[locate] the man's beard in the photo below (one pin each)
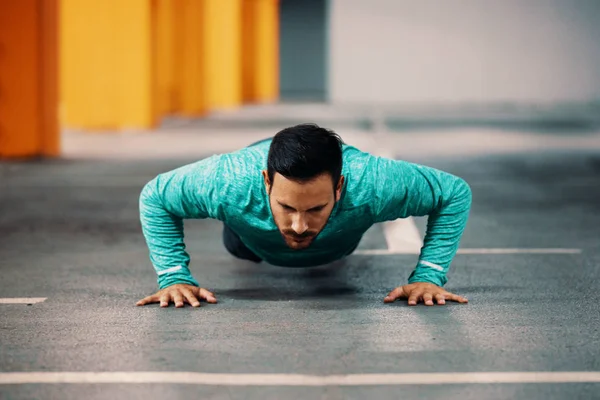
(298, 242)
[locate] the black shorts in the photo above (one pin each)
(236, 248)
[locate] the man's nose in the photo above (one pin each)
(299, 224)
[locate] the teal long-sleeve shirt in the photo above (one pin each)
(230, 188)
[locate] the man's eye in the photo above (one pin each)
(317, 209)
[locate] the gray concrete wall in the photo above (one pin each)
(484, 51)
(303, 47)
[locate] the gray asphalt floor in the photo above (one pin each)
(70, 232)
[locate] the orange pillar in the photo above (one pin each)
(107, 64)
(164, 53)
(28, 78)
(203, 40)
(183, 42)
(224, 53)
(260, 50)
(191, 40)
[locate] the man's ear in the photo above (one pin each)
(267, 181)
(338, 189)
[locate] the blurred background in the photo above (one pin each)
(74, 71)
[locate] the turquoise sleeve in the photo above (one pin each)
(184, 193)
(406, 189)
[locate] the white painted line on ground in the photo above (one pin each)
(22, 300)
(519, 251)
(402, 235)
(194, 378)
(383, 252)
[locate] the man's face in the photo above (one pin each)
(301, 209)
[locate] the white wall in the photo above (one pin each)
(423, 51)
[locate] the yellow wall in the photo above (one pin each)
(224, 53)
(126, 64)
(207, 50)
(192, 69)
(28, 78)
(260, 54)
(163, 19)
(106, 64)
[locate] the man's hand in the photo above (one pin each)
(178, 294)
(427, 292)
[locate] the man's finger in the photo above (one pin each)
(395, 294)
(147, 300)
(455, 297)
(428, 299)
(414, 297)
(164, 299)
(190, 297)
(209, 296)
(177, 298)
(439, 297)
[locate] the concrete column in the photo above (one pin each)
(28, 78)
(106, 64)
(260, 51)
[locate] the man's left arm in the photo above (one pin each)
(408, 189)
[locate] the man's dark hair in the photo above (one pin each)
(305, 151)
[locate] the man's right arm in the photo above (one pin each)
(187, 192)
